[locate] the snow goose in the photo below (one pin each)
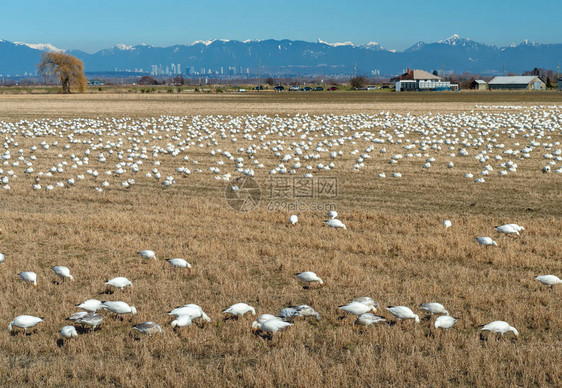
(270, 326)
(549, 280)
(74, 317)
(506, 229)
(24, 322)
(148, 328)
(293, 220)
(179, 263)
(309, 277)
(2, 258)
(119, 282)
(366, 300)
(335, 223)
(434, 308)
(403, 312)
(147, 254)
(332, 214)
(447, 224)
(91, 320)
(183, 320)
(119, 307)
(500, 327)
(239, 309)
(368, 319)
(68, 332)
(62, 272)
(486, 241)
(29, 276)
(266, 317)
(91, 305)
(357, 308)
(193, 310)
(444, 322)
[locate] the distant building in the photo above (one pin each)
(479, 84)
(421, 80)
(529, 82)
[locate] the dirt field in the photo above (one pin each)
(395, 250)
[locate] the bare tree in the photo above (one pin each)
(70, 70)
(358, 82)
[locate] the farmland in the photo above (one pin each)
(395, 248)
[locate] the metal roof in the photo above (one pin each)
(513, 80)
(480, 81)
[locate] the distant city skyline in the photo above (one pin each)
(395, 25)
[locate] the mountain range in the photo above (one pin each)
(294, 58)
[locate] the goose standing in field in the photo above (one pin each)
(332, 214)
(444, 322)
(549, 280)
(486, 241)
(434, 308)
(368, 319)
(293, 220)
(335, 223)
(179, 263)
(119, 307)
(239, 309)
(68, 332)
(148, 328)
(403, 312)
(30, 277)
(62, 272)
(91, 305)
(500, 327)
(91, 320)
(147, 254)
(357, 308)
(305, 311)
(193, 310)
(309, 277)
(506, 229)
(447, 224)
(266, 317)
(270, 326)
(24, 322)
(119, 282)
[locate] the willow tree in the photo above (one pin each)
(70, 70)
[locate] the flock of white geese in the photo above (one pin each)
(109, 154)
(365, 309)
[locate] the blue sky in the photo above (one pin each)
(394, 24)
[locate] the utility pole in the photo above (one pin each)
(443, 68)
(259, 76)
(558, 71)
(355, 71)
(504, 68)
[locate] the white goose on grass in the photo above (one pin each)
(447, 224)
(78, 315)
(403, 312)
(91, 305)
(119, 282)
(549, 280)
(444, 322)
(367, 301)
(309, 277)
(62, 272)
(68, 332)
(147, 254)
(368, 319)
(24, 322)
(148, 328)
(335, 223)
(28, 276)
(266, 317)
(500, 327)
(183, 320)
(332, 214)
(293, 220)
(193, 310)
(506, 229)
(270, 326)
(179, 263)
(239, 309)
(357, 308)
(119, 307)
(486, 241)
(434, 308)
(2, 258)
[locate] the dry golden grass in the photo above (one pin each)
(395, 250)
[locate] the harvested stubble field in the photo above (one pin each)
(395, 250)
